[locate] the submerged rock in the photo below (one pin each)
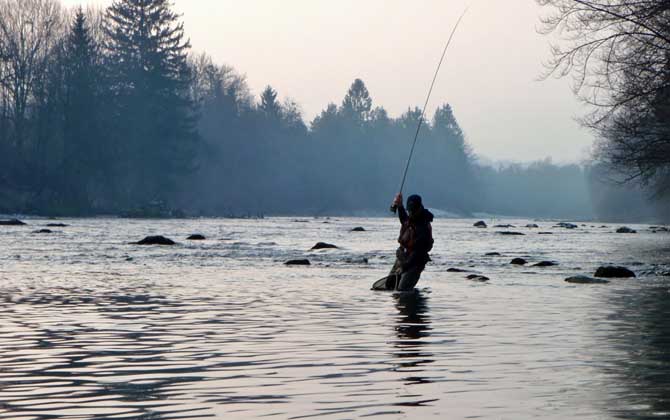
(518, 261)
(545, 264)
(625, 229)
(585, 280)
(492, 254)
(60, 225)
(11, 222)
(612, 271)
(480, 224)
(196, 237)
(323, 245)
(567, 225)
(43, 231)
(532, 226)
(356, 260)
(155, 240)
(511, 233)
(358, 229)
(457, 270)
(503, 226)
(545, 233)
(478, 277)
(297, 262)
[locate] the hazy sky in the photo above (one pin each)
(311, 50)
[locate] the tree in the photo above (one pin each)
(28, 30)
(151, 84)
(357, 103)
(84, 147)
(618, 54)
(269, 105)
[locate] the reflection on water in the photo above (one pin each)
(94, 328)
(641, 386)
(412, 329)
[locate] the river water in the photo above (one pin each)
(92, 327)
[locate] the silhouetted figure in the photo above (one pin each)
(416, 240)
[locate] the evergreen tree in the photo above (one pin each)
(151, 80)
(269, 105)
(357, 103)
(83, 152)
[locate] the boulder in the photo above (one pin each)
(155, 240)
(625, 229)
(585, 280)
(518, 261)
(532, 226)
(358, 229)
(545, 264)
(11, 222)
(480, 224)
(323, 245)
(196, 237)
(567, 225)
(612, 271)
(492, 254)
(511, 233)
(477, 277)
(297, 262)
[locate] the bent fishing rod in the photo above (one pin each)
(394, 208)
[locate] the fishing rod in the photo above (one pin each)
(394, 208)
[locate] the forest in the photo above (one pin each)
(113, 112)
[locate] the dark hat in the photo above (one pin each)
(414, 202)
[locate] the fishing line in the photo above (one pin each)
(430, 92)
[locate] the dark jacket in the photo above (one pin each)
(416, 238)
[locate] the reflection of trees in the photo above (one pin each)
(642, 331)
(412, 328)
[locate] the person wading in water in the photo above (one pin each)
(416, 241)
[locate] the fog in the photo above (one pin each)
(318, 118)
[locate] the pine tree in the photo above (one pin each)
(151, 79)
(357, 103)
(269, 105)
(83, 157)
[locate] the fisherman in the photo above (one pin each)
(416, 241)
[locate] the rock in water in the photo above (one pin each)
(503, 226)
(356, 260)
(61, 225)
(545, 233)
(492, 254)
(612, 271)
(155, 240)
(323, 245)
(457, 270)
(43, 231)
(625, 229)
(480, 224)
(196, 237)
(297, 262)
(532, 226)
(11, 222)
(477, 277)
(519, 261)
(545, 264)
(511, 233)
(585, 280)
(567, 225)
(358, 229)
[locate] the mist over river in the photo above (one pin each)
(92, 327)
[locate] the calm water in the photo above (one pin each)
(92, 327)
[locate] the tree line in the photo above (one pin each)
(110, 111)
